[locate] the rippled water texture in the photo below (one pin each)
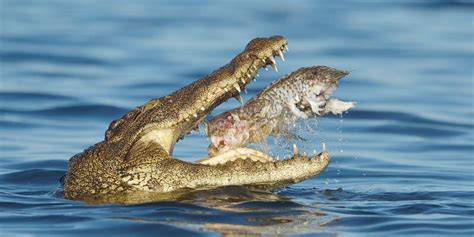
(402, 160)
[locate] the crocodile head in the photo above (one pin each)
(136, 154)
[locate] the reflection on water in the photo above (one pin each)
(402, 160)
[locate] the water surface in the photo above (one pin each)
(402, 160)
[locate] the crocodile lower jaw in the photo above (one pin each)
(256, 156)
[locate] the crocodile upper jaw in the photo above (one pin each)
(207, 93)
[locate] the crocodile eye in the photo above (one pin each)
(115, 123)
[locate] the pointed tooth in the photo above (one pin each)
(202, 108)
(242, 80)
(324, 147)
(205, 123)
(226, 90)
(275, 67)
(195, 115)
(245, 90)
(254, 67)
(295, 149)
(314, 152)
(237, 87)
(239, 99)
(248, 75)
(258, 75)
(266, 69)
(272, 59)
(286, 48)
(280, 53)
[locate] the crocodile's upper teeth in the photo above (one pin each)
(272, 59)
(286, 48)
(195, 115)
(239, 99)
(281, 55)
(242, 80)
(275, 67)
(202, 108)
(237, 87)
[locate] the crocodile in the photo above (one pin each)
(136, 153)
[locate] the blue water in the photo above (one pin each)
(402, 162)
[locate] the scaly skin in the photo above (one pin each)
(136, 154)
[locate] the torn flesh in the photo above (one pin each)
(271, 112)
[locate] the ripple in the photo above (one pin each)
(22, 57)
(33, 177)
(74, 111)
(105, 111)
(33, 96)
(43, 164)
(414, 131)
(404, 118)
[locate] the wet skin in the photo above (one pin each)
(136, 153)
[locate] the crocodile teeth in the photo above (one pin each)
(237, 87)
(242, 80)
(324, 146)
(195, 115)
(275, 67)
(273, 63)
(202, 108)
(272, 59)
(286, 48)
(281, 55)
(239, 99)
(226, 90)
(258, 75)
(296, 151)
